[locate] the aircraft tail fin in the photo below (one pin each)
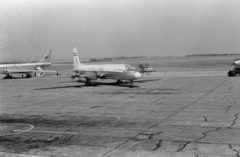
(46, 57)
(75, 57)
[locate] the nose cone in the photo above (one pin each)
(237, 62)
(137, 75)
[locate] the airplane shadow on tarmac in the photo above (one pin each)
(97, 84)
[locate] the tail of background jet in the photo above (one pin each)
(75, 57)
(46, 57)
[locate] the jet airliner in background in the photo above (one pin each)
(117, 72)
(35, 67)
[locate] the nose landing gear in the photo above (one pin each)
(28, 75)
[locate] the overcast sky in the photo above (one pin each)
(109, 28)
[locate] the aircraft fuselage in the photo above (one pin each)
(110, 71)
(34, 65)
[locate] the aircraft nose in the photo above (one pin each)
(137, 75)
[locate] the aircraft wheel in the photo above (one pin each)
(231, 74)
(119, 81)
(28, 76)
(88, 84)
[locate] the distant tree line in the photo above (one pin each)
(211, 55)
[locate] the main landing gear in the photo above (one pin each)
(27, 75)
(88, 83)
(119, 81)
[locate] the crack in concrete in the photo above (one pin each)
(160, 103)
(210, 91)
(205, 134)
(68, 139)
(158, 145)
(230, 88)
(169, 117)
(227, 109)
(157, 100)
(237, 153)
(183, 146)
(19, 145)
(149, 112)
(205, 119)
(151, 135)
(234, 121)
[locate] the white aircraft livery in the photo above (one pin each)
(118, 72)
(236, 62)
(17, 68)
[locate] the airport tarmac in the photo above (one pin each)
(183, 113)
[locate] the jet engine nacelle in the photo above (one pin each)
(40, 74)
(37, 67)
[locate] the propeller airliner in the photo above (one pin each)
(117, 72)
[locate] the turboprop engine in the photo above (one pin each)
(91, 76)
(85, 76)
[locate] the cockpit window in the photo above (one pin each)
(130, 68)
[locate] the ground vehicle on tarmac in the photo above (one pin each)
(236, 68)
